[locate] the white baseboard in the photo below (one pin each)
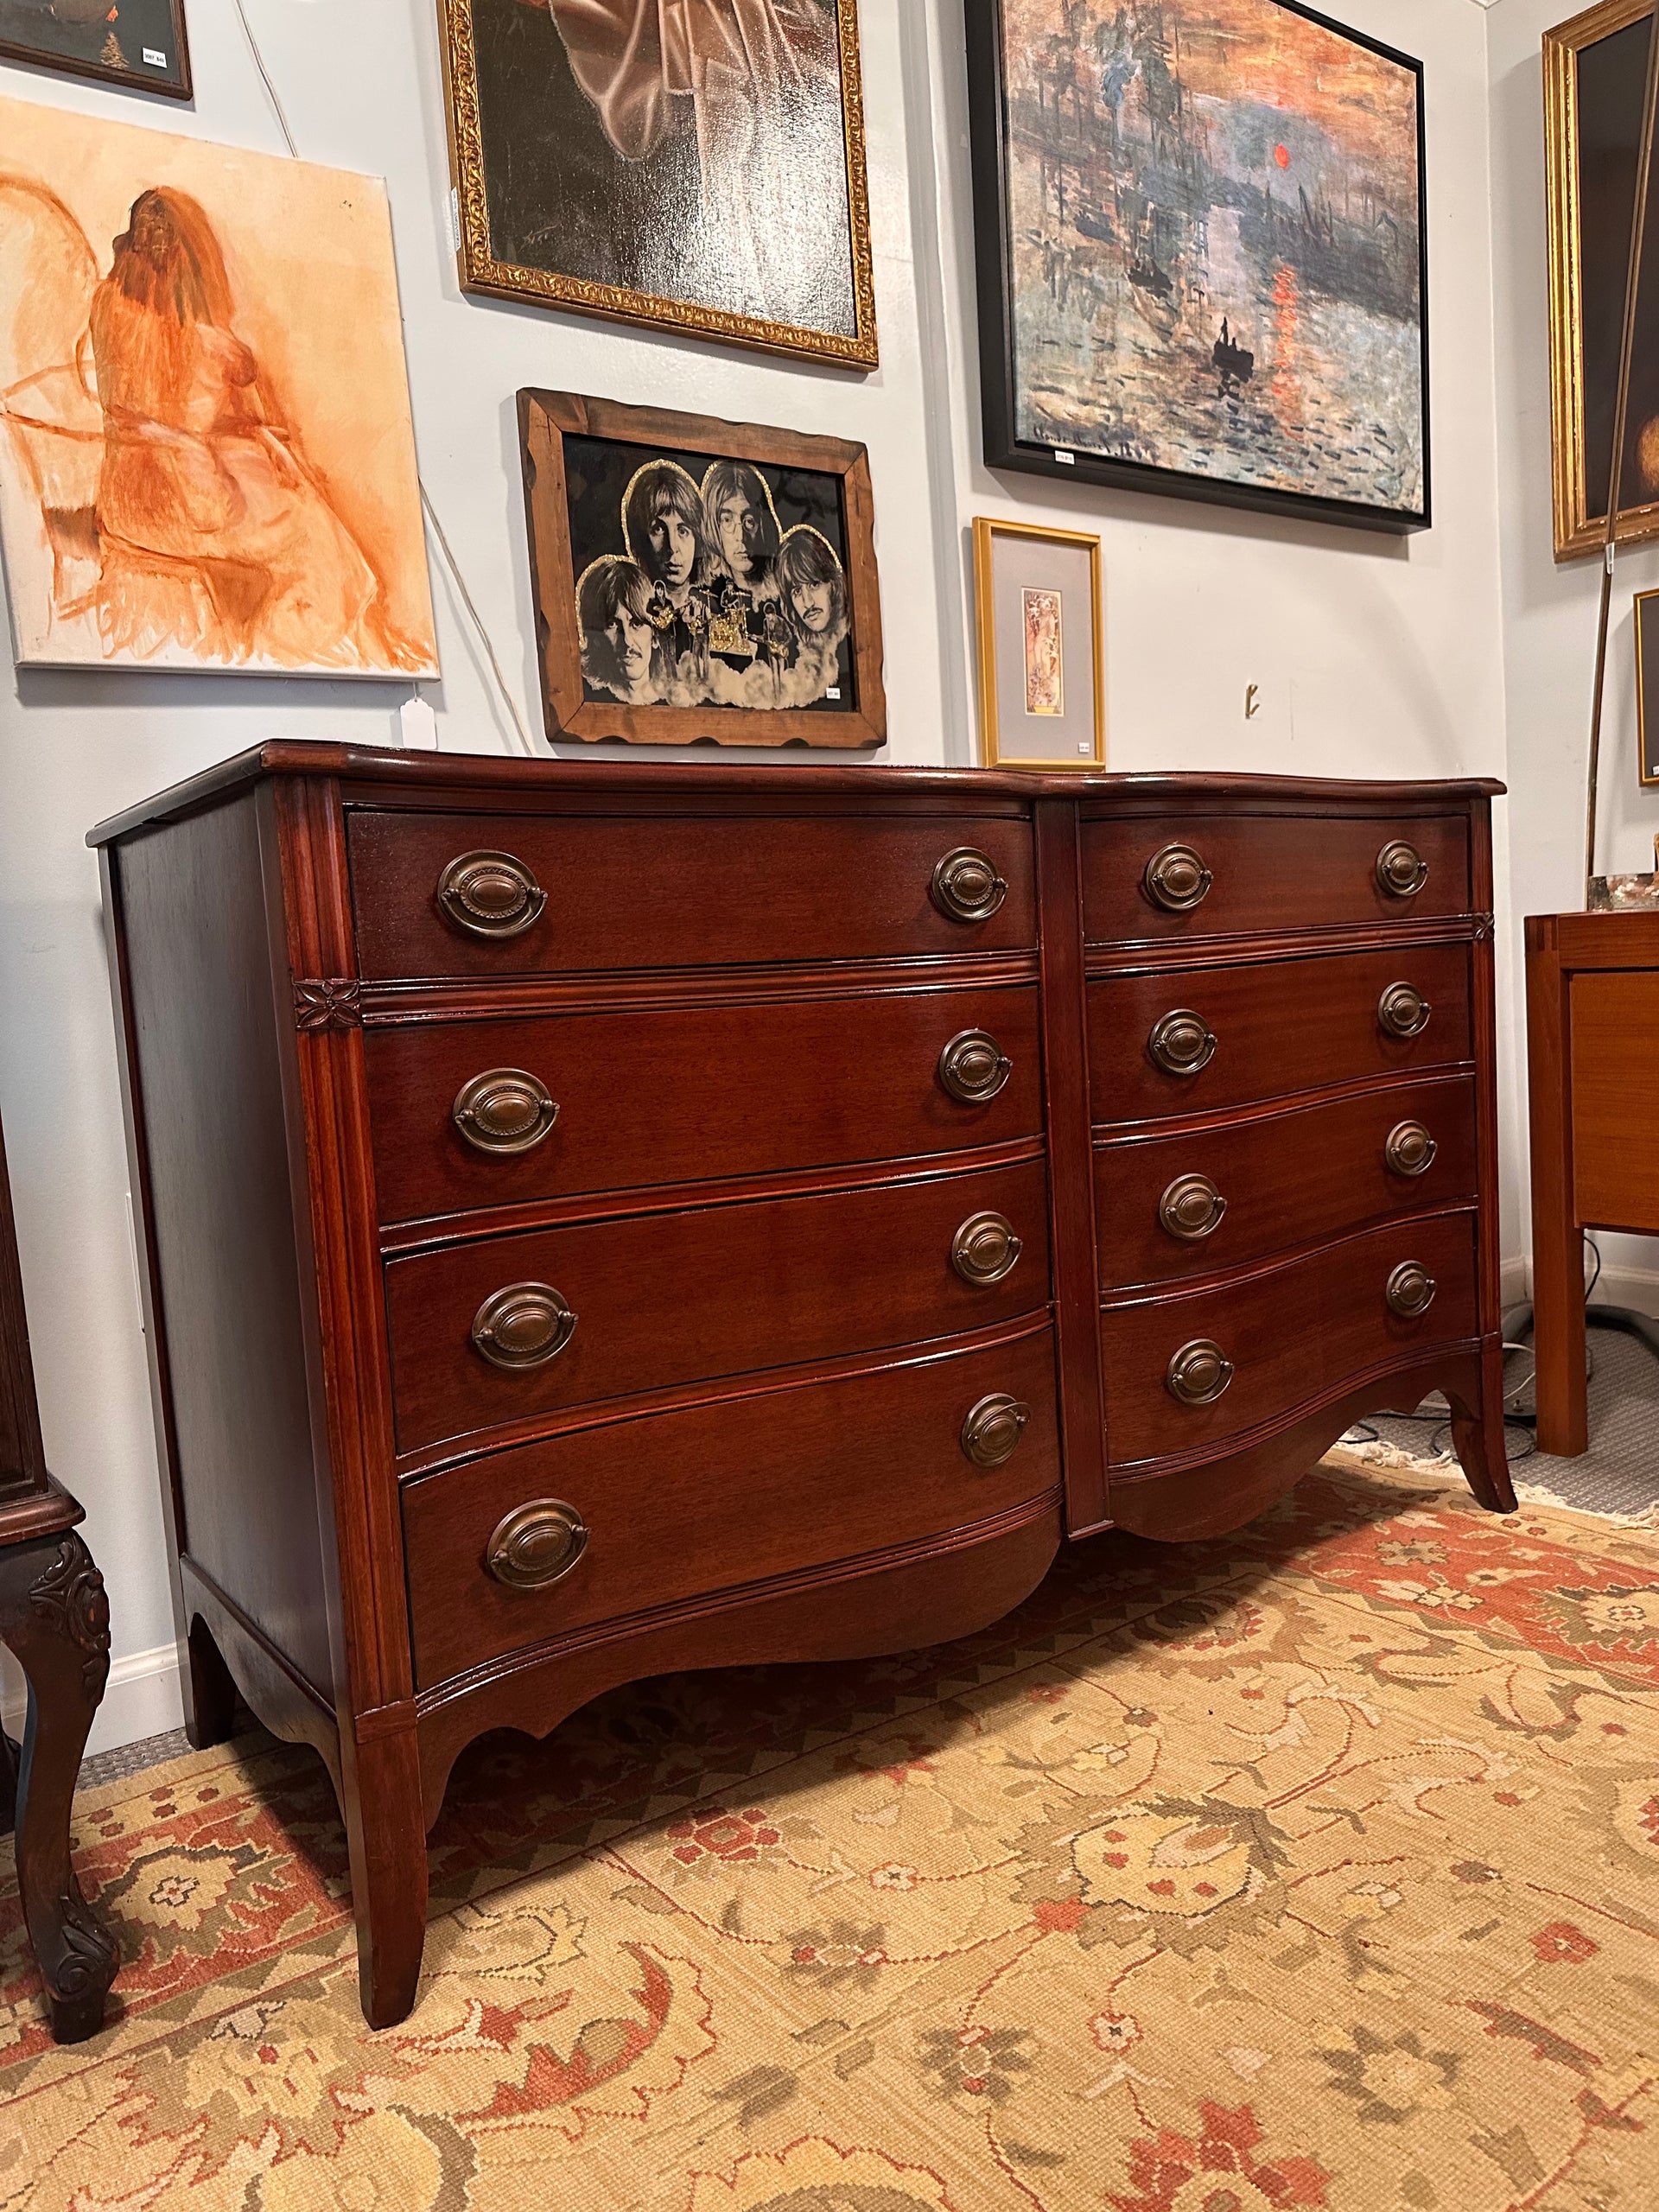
(144, 1699)
(1637, 1287)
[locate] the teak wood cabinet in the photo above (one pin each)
(602, 1219)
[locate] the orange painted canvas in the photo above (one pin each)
(207, 455)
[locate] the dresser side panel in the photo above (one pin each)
(220, 1200)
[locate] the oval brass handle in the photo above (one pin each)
(1402, 1010)
(505, 1110)
(1410, 1150)
(1192, 1208)
(490, 894)
(1181, 1043)
(535, 1544)
(1410, 1290)
(1402, 871)
(1199, 1373)
(985, 1249)
(966, 886)
(991, 1434)
(523, 1326)
(973, 1068)
(1176, 879)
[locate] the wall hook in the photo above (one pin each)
(1252, 704)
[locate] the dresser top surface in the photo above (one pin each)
(374, 772)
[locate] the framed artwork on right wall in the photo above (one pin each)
(1647, 685)
(1200, 243)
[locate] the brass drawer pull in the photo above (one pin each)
(1410, 1149)
(1402, 871)
(1199, 1373)
(1192, 1209)
(535, 1544)
(1404, 1011)
(524, 1326)
(985, 1249)
(1410, 1290)
(966, 886)
(972, 1067)
(505, 1110)
(991, 1434)
(490, 894)
(1181, 1043)
(1177, 879)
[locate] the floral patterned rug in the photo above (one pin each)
(1315, 1866)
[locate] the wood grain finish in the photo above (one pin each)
(678, 891)
(1280, 1027)
(1592, 1027)
(665, 1300)
(1294, 1332)
(1287, 1179)
(713, 1089)
(737, 1490)
(1269, 873)
(736, 989)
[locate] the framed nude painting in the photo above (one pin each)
(1199, 231)
(699, 581)
(1042, 693)
(1595, 69)
(138, 43)
(699, 168)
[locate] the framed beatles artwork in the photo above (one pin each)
(1595, 69)
(1042, 691)
(699, 167)
(1199, 230)
(698, 580)
(137, 42)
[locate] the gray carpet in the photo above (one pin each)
(1619, 1474)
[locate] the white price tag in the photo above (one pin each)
(418, 726)
(1064, 458)
(155, 60)
(832, 690)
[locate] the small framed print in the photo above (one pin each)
(1042, 700)
(1647, 685)
(139, 43)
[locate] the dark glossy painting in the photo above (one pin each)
(705, 581)
(1200, 230)
(699, 166)
(139, 42)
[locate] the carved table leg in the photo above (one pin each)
(55, 1618)
(1478, 1435)
(210, 1694)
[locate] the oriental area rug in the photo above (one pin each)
(1314, 1866)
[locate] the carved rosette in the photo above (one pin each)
(328, 1002)
(1485, 929)
(70, 1600)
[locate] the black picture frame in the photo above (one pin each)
(171, 83)
(1645, 615)
(1004, 448)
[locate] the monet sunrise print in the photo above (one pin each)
(1211, 251)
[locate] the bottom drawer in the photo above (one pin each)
(674, 1505)
(1289, 1334)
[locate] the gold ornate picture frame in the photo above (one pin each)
(1042, 678)
(578, 184)
(1593, 65)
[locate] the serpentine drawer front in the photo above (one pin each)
(601, 1217)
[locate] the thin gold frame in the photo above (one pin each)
(479, 271)
(1647, 765)
(1578, 531)
(987, 530)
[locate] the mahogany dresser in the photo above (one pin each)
(602, 1219)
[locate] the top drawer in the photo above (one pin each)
(1146, 878)
(601, 892)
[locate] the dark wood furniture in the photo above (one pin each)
(1593, 1040)
(602, 1218)
(55, 1618)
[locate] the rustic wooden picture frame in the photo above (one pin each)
(545, 420)
(482, 270)
(173, 83)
